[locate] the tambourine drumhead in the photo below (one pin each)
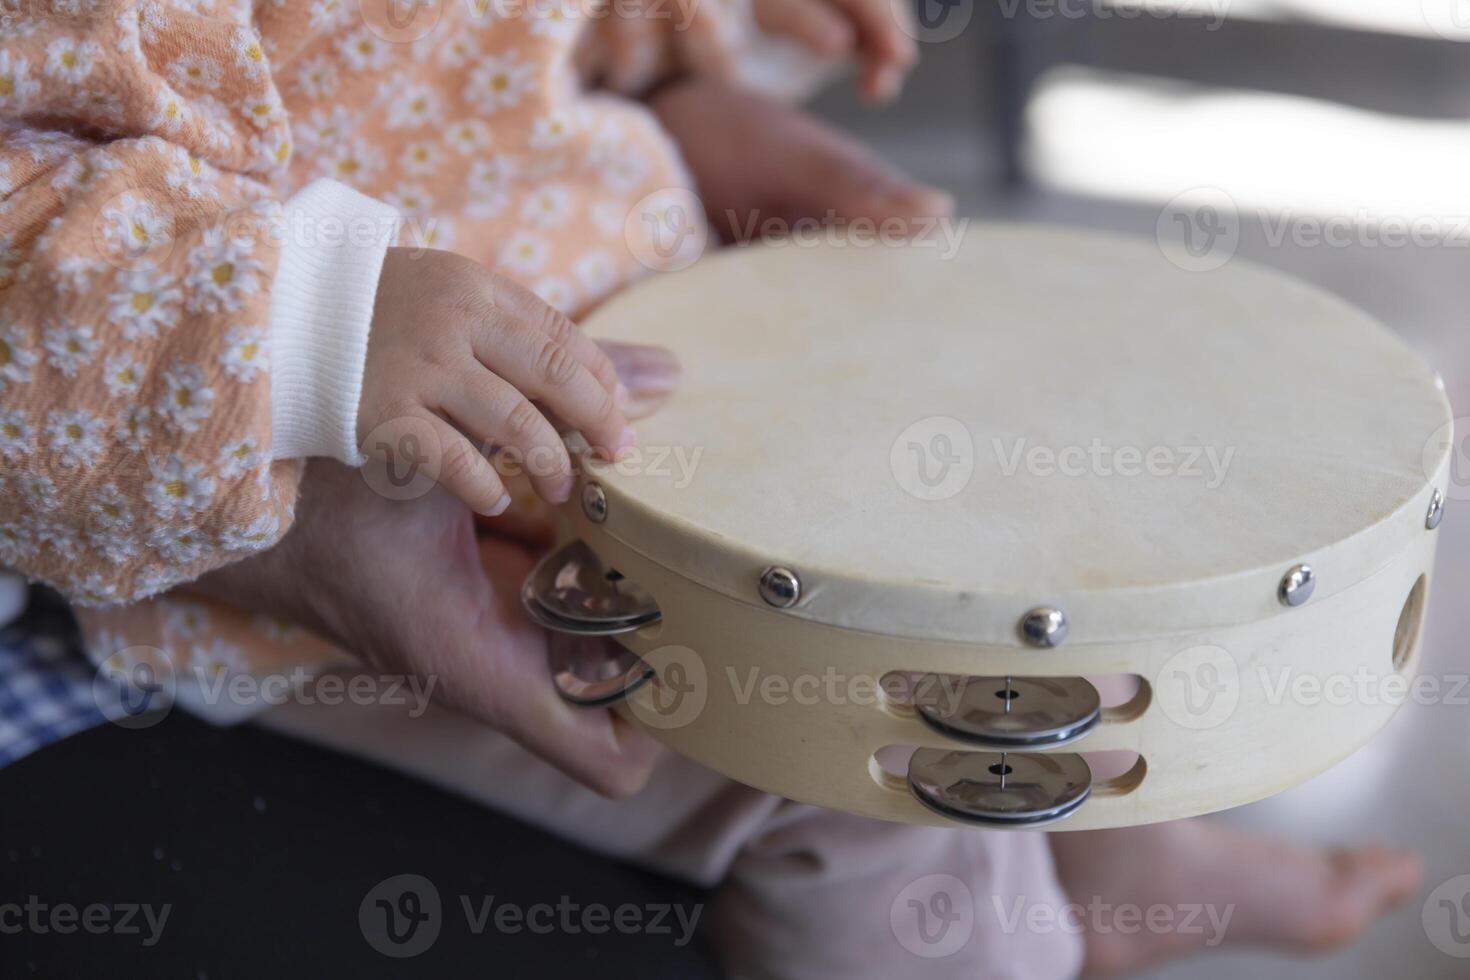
(1050, 456)
(938, 443)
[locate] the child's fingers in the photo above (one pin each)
(457, 465)
(526, 305)
(814, 23)
(548, 370)
(888, 46)
(494, 413)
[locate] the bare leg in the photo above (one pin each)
(1247, 890)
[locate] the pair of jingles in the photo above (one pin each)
(983, 481)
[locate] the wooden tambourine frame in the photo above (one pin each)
(769, 670)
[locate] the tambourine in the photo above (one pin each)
(928, 507)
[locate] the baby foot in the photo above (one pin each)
(1274, 893)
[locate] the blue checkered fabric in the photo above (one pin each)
(46, 690)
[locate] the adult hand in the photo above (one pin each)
(407, 586)
(753, 159)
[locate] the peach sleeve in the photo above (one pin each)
(142, 256)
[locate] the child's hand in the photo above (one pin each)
(872, 29)
(461, 350)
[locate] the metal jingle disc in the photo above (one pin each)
(570, 591)
(1008, 712)
(1000, 789)
(595, 674)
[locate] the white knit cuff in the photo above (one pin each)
(320, 315)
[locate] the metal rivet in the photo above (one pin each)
(1044, 626)
(780, 587)
(1297, 586)
(1436, 511)
(594, 503)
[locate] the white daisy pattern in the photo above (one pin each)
(69, 346)
(548, 207)
(122, 373)
(179, 545)
(134, 427)
(410, 106)
(524, 254)
(187, 399)
(498, 82)
(75, 436)
(222, 275)
(144, 304)
(364, 51)
(193, 72)
(71, 60)
(244, 355)
(239, 458)
(15, 434)
(17, 87)
(317, 77)
(134, 226)
(178, 488)
(16, 356)
(469, 136)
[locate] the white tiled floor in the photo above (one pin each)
(1410, 786)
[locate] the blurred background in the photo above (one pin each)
(1309, 115)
